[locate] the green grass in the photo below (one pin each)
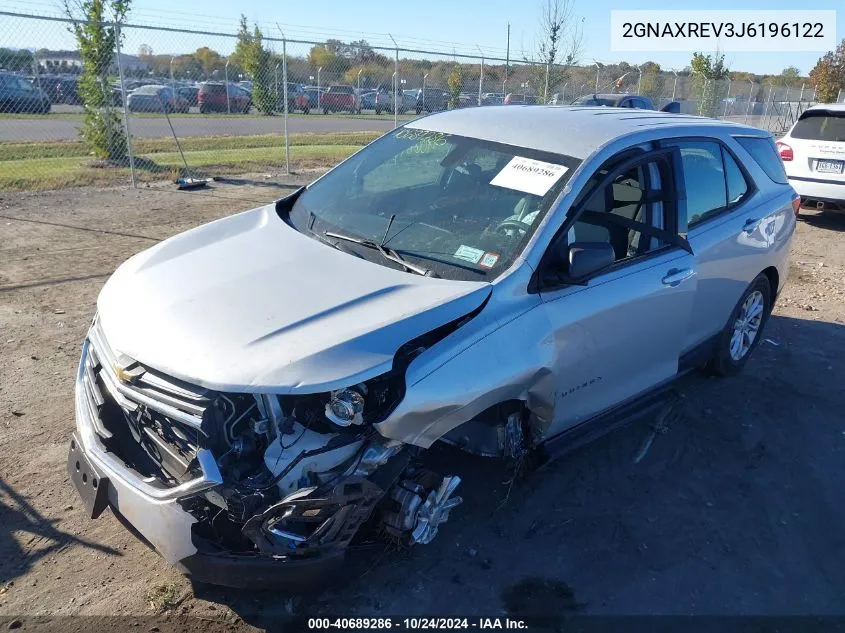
(40, 166)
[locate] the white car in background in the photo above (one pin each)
(813, 152)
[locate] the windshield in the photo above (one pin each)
(822, 125)
(461, 207)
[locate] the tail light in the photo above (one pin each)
(796, 203)
(785, 151)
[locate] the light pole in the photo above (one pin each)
(277, 84)
(727, 98)
(639, 78)
(319, 95)
(674, 84)
(172, 83)
(359, 81)
(563, 93)
(598, 66)
(228, 103)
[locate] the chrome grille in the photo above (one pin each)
(165, 413)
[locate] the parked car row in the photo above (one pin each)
(17, 94)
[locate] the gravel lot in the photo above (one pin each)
(737, 509)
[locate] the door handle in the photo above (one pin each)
(751, 225)
(675, 276)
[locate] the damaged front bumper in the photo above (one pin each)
(160, 515)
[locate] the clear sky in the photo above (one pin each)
(447, 25)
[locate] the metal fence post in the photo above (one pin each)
(727, 98)
(750, 97)
(285, 97)
(839, 95)
(35, 68)
(228, 102)
(563, 93)
(766, 112)
(546, 87)
(395, 84)
(125, 111)
(481, 76)
(172, 83)
(639, 78)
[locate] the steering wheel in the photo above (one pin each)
(511, 223)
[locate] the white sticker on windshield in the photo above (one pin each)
(468, 254)
(529, 176)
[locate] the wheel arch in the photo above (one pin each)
(773, 276)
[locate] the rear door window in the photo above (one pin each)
(713, 180)
(736, 184)
(704, 179)
(820, 125)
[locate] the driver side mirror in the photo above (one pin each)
(586, 258)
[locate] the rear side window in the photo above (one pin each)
(764, 152)
(820, 125)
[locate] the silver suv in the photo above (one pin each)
(256, 391)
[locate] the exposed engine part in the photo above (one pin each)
(420, 509)
(513, 437)
(307, 458)
(313, 519)
(346, 406)
(377, 453)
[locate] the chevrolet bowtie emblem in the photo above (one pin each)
(128, 374)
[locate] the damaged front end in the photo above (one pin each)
(248, 489)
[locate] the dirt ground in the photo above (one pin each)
(738, 509)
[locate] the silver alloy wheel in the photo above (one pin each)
(747, 325)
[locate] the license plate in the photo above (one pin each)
(829, 166)
(93, 489)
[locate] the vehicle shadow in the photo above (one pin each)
(26, 535)
(733, 508)
(822, 220)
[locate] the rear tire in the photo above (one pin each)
(734, 348)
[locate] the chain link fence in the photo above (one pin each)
(161, 103)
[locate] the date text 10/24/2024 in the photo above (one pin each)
(417, 623)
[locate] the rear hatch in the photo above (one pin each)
(817, 141)
(339, 96)
(213, 93)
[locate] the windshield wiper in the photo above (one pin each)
(325, 240)
(387, 253)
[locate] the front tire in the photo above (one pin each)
(744, 329)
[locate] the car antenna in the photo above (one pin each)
(387, 230)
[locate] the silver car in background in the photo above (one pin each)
(510, 281)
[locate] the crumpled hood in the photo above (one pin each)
(247, 303)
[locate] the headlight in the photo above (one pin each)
(346, 406)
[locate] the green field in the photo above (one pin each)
(52, 165)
